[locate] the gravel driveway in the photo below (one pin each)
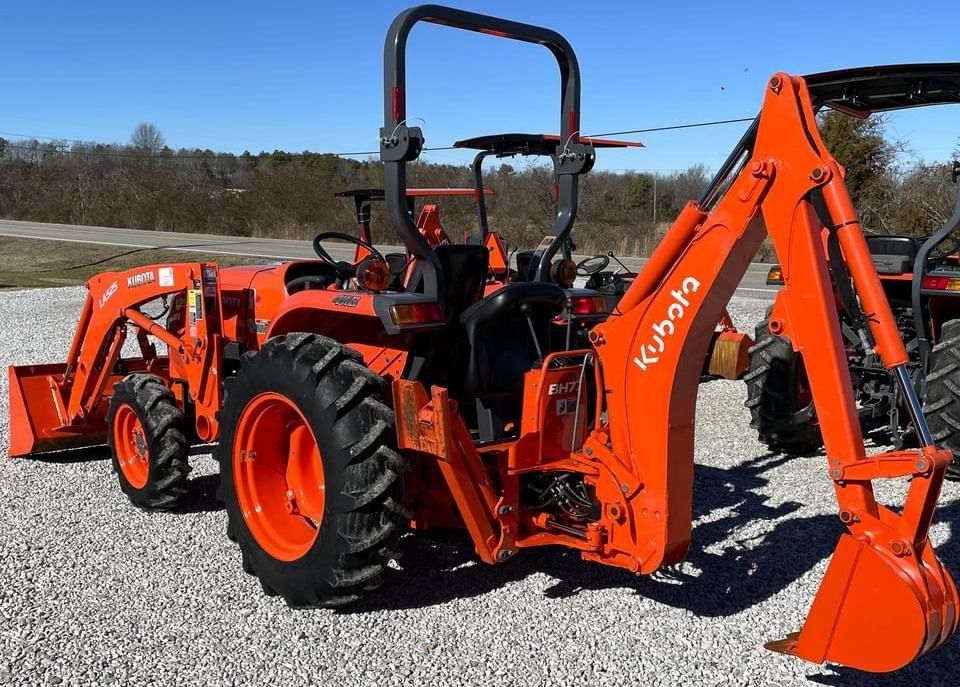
(95, 592)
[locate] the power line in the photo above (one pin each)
(45, 148)
(111, 153)
(672, 127)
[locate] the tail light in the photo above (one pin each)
(932, 283)
(587, 305)
(775, 276)
(406, 314)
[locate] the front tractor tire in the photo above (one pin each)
(941, 405)
(309, 471)
(778, 396)
(148, 445)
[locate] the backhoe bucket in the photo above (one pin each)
(37, 418)
(879, 607)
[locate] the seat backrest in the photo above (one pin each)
(464, 273)
(501, 346)
(892, 254)
(524, 258)
(892, 245)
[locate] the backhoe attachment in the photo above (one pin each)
(885, 599)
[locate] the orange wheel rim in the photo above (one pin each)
(130, 443)
(278, 476)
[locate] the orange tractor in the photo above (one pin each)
(344, 413)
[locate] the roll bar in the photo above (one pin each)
(400, 143)
(920, 269)
(478, 185)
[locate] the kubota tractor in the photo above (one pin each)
(921, 280)
(344, 413)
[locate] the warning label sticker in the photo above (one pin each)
(166, 276)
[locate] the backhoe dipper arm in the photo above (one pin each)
(885, 599)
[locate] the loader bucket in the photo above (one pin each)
(36, 415)
(879, 607)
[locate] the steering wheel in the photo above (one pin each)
(590, 266)
(346, 268)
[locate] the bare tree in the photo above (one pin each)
(147, 137)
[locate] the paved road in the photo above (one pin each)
(753, 283)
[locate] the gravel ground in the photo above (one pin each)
(95, 592)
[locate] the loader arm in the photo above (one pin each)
(62, 406)
(885, 598)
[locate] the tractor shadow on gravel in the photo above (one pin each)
(202, 494)
(735, 561)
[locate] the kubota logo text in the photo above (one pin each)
(136, 280)
(650, 352)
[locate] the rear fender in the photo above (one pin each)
(348, 317)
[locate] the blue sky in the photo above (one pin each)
(307, 75)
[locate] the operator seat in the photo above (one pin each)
(464, 271)
(524, 258)
(309, 274)
(507, 333)
(892, 254)
(397, 262)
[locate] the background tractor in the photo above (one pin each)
(349, 408)
(921, 280)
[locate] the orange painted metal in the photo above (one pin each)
(429, 225)
(130, 443)
(555, 410)
(498, 265)
(63, 406)
(445, 192)
(885, 599)
(432, 426)
(654, 346)
(600, 142)
(278, 476)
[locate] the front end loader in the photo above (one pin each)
(345, 410)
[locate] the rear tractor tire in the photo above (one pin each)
(778, 398)
(148, 446)
(941, 406)
(309, 471)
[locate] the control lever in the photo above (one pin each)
(611, 255)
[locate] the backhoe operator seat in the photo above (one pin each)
(501, 344)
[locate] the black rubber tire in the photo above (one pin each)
(168, 448)
(772, 396)
(941, 405)
(342, 400)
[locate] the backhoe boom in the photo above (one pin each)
(885, 598)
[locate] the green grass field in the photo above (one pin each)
(30, 264)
